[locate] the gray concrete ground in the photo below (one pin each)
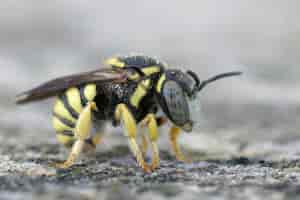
(253, 157)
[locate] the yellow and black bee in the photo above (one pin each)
(128, 93)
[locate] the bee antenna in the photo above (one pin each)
(195, 77)
(217, 77)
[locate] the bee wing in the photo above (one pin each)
(54, 87)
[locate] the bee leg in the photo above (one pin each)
(124, 115)
(97, 138)
(75, 151)
(174, 133)
(81, 133)
(151, 122)
(161, 121)
(92, 142)
(144, 146)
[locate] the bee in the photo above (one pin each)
(128, 92)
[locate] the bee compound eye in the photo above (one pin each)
(176, 103)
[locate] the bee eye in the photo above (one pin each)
(176, 103)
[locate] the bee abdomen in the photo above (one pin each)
(67, 109)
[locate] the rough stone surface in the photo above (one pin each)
(226, 166)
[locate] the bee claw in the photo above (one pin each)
(147, 169)
(187, 160)
(154, 167)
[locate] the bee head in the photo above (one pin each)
(180, 97)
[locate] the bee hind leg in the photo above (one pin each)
(81, 133)
(123, 115)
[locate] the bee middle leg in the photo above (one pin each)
(92, 142)
(123, 114)
(81, 133)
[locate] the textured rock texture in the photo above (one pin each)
(254, 158)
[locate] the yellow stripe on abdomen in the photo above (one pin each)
(59, 126)
(73, 98)
(60, 110)
(66, 140)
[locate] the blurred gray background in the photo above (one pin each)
(257, 113)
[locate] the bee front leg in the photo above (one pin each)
(174, 133)
(151, 123)
(160, 121)
(81, 133)
(123, 114)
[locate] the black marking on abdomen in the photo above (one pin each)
(83, 99)
(67, 133)
(67, 105)
(64, 121)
